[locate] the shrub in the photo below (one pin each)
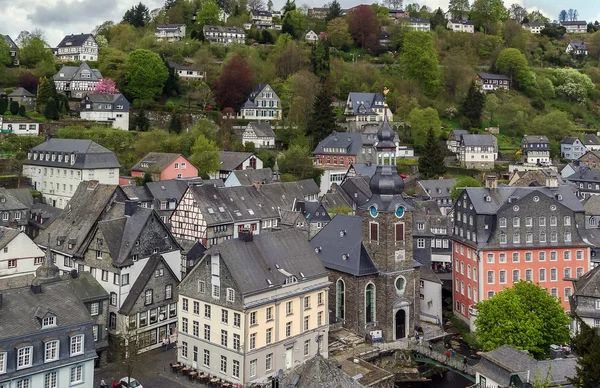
(14, 108)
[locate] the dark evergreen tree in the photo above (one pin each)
(137, 15)
(175, 124)
(51, 109)
(63, 103)
(320, 58)
(171, 87)
(46, 90)
(586, 344)
(431, 161)
(438, 19)
(3, 105)
(322, 121)
(266, 37)
(146, 178)
(22, 111)
(335, 11)
(14, 108)
(141, 122)
(194, 34)
(473, 105)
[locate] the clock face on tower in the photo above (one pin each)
(400, 211)
(373, 211)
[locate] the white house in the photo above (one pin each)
(57, 166)
(261, 134)
(19, 127)
(454, 137)
(106, 108)
(366, 107)
(82, 47)
(431, 296)
(262, 104)
(535, 149)
(575, 27)
(224, 35)
(572, 148)
(262, 19)
(311, 36)
(577, 48)
(231, 161)
(19, 255)
(76, 81)
(489, 81)
(591, 142)
(169, 32)
(534, 27)
(478, 151)
(187, 72)
(461, 26)
(415, 24)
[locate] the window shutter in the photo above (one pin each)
(100, 304)
(374, 232)
(400, 232)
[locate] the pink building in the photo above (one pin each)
(164, 166)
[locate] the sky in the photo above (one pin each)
(58, 18)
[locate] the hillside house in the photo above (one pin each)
(231, 161)
(106, 108)
(478, 151)
(260, 134)
(169, 32)
(23, 97)
(224, 35)
(535, 149)
(262, 104)
(572, 148)
(75, 81)
(415, 24)
(575, 27)
(366, 107)
(461, 26)
(577, 48)
(534, 27)
(164, 166)
(82, 47)
(487, 81)
(311, 36)
(591, 142)
(187, 72)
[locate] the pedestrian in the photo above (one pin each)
(422, 337)
(448, 355)
(416, 337)
(103, 384)
(165, 344)
(430, 348)
(452, 353)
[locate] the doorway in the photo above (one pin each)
(400, 324)
(289, 357)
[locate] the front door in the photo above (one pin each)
(289, 357)
(400, 324)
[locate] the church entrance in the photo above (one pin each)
(400, 324)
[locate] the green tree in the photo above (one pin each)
(525, 316)
(586, 344)
(208, 14)
(46, 91)
(175, 124)
(322, 120)
(438, 19)
(459, 9)
(137, 15)
(555, 125)
(14, 108)
(513, 63)
(421, 121)
(145, 75)
(22, 111)
(3, 105)
(270, 5)
(431, 161)
(296, 162)
(319, 58)
(294, 23)
(338, 34)
(463, 182)
(492, 103)
(34, 51)
(51, 109)
(473, 104)
(572, 84)
(335, 11)
(488, 14)
(419, 61)
(171, 87)
(205, 156)
(5, 58)
(141, 121)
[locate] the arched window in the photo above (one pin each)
(400, 285)
(370, 303)
(340, 299)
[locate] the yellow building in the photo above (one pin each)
(252, 306)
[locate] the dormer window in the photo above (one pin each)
(49, 321)
(291, 280)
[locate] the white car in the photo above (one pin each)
(133, 383)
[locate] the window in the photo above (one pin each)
(567, 236)
(236, 341)
(515, 257)
(567, 272)
(502, 222)
(252, 368)
(490, 277)
(374, 231)
(148, 297)
(306, 322)
(288, 329)
(529, 275)
(553, 275)
(542, 221)
(201, 286)
(236, 369)
(553, 256)
(420, 243)
(553, 221)
(528, 222)
(567, 255)
(320, 299)
(567, 221)
(542, 275)
(206, 358)
(528, 257)
(516, 238)
(579, 272)
(207, 332)
(49, 321)
(502, 276)
(516, 275)
(2, 362)
(51, 351)
(184, 325)
(306, 302)
(224, 316)
(125, 279)
(567, 293)
(306, 348)
(554, 292)
(50, 380)
(370, 303)
(289, 308)
(168, 291)
(76, 345)
(269, 335)
(253, 340)
(490, 258)
(516, 222)
(77, 374)
(184, 349)
(230, 295)
(237, 319)
(542, 256)
(206, 311)
(24, 357)
(196, 329)
(196, 308)
(184, 304)
(223, 364)
(579, 255)
(216, 291)
(253, 318)
(502, 258)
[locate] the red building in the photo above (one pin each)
(339, 149)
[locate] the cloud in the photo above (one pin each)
(64, 13)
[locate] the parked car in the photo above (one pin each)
(133, 383)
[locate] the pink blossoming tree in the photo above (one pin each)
(105, 86)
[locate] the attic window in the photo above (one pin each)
(49, 321)
(2, 199)
(251, 212)
(210, 210)
(221, 209)
(536, 199)
(345, 256)
(559, 197)
(342, 233)
(291, 280)
(137, 243)
(488, 198)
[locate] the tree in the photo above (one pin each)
(319, 58)
(513, 63)
(572, 15)
(473, 104)
(171, 87)
(322, 121)
(257, 5)
(296, 163)
(492, 103)
(126, 349)
(517, 12)
(3, 105)
(459, 71)
(34, 51)
(556, 125)
(137, 15)
(554, 31)
(145, 75)
(338, 34)
(563, 16)
(525, 316)
(393, 4)
(572, 84)
(205, 156)
(461, 184)
(362, 23)
(488, 13)
(419, 61)
(335, 11)
(537, 16)
(14, 108)
(203, 95)
(421, 121)
(175, 123)
(586, 344)
(105, 86)
(5, 58)
(28, 81)
(270, 5)
(459, 9)
(46, 91)
(438, 19)
(141, 122)
(294, 23)
(431, 161)
(234, 85)
(208, 14)
(51, 109)
(22, 111)
(594, 45)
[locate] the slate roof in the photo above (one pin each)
(21, 92)
(592, 205)
(283, 194)
(351, 142)
(88, 154)
(140, 283)
(427, 274)
(258, 12)
(415, 20)
(480, 139)
(366, 102)
(578, 45)
(590, 139)
(493, 76)
(74, 40)
(230, 160)
(534, 24)
(104, 98)
(13, 46)
(569, 140)
(572, 23)
(252, 264)
(72, 73)
(333, 200)
(248, 177)
(343, 236)
(584, 174)
(249, 104)
(319, 372)
(86, 287)
(177, 66)
(364, 169)
(169, 27)
(21, 309)
(312, 211)
(438, 188)
(137, 193)
(289, 217)
(588, 284)
(48, 213)
(262, 129)
(535, 139)
(357, 189)
(465, 22)
(7, 235)
(10, 202)
(161, 160)
(167, 190)
(23, 196)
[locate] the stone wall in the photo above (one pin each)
(161, 119)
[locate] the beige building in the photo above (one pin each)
(252, 306)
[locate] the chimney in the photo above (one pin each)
(491, 181)
(245, 235)
(256, 185)
(130, 207)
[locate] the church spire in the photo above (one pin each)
(47, 272)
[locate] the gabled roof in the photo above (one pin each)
(160, 160)
(312, 211)
(351, 142)
(8, 202)
(357, 189)
(334, 200)
(480, 139)
(73, 73)
(74, 40)
(7, 235)
(177, 66)
(535, 139)
(590, 139)
(414, 20)
(584, 174)
(493, 76)
(363, 103)
(569, 140)
(13, 46)
(258, 89)
(364, 169)
(104, 98)
(259, 12)
(438, 188)
(578, 45)
(249, 177)
(254, 265)
(588, 284)
(464, 22)
(572, 23)
(22, 195)
(592, 205)
(342, 236)
(141, 281)
(510, 358)
(262, 129)
(21, 92)
(169, 27)
(88, 154)
(167, 190)
(47, 212)
(231, 160)
(87, 287)
(534, 24)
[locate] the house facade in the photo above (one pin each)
(461, 26)
(106, 108)
(415, 24)
(311, 36)
(224, 35)
(253, 306)
(575, 27)
(164, 166)
(20, 127)
(572, 148)
(586, 180)
(13, 213)
(478, 151)
(23, 97)
(577, 48)
(524, 233)
(260, 134)
(19, 255)
(585, 301)
(76, 81)
(57, 167)
(187, 72)
(262, 104)
(232, 161)
(366, 107)
(169, 32)
(535, 149)
(534, 27)
(13, 49)
(438, 190)
(591, 142)
(338, 150)
(454, 138)
(487, 81)
(82, 47)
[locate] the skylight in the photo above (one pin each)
(210, 210)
